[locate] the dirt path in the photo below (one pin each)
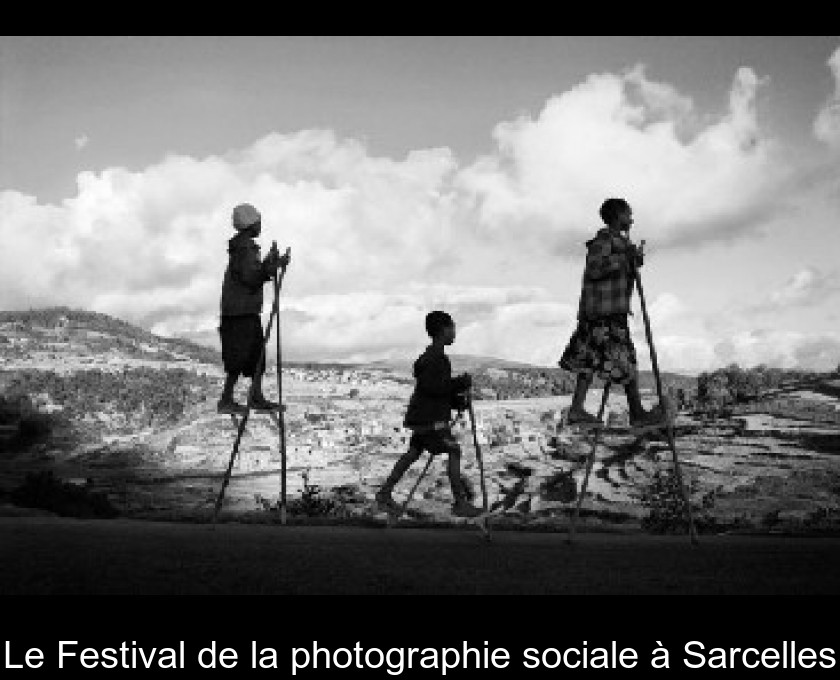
(48, 555)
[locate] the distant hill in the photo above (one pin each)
(469, 363)
(84, 332)
(62, 331)
(68, 375)
(647, 381)
(481, 365)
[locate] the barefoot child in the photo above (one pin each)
(601, 343)
(428, 414)
(241, 304)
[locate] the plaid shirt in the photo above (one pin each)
(607, 278)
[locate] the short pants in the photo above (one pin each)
(242, 344)
(434, 441)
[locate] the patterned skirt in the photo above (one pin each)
(603, 348)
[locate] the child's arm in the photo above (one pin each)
(251, 271)
(602, 262)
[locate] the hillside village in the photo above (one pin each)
(152, 441)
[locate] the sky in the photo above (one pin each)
(415, 173)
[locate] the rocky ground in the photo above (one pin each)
(760, 471)
(742, 476)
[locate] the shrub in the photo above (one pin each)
(311, 504)
(34, 428)
(823, 518)
(666, 505)
(26, 427)
(347, 494)
(44, 490)
(560, 487)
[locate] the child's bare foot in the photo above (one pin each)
(230, 406)
(386, 502)
(260, 403)
(463, 508)
(581, 417)
(653, 418)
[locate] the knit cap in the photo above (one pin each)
(244, 215)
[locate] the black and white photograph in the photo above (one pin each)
(330, 320)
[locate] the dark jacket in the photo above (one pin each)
(434, 391)
(242, 288)
(608, 277)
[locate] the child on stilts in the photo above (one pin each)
(241, 304)
(428, 414)
(601, 344)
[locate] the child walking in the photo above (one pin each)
(241, 304)
(428, 414)
(601, 344)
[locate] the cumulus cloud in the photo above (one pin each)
(139, 243)
(784, 349)
(809, 286)
(722, 338)
(518, 323)
(665, 308)
(827, 122)
(681, 354)
(629, 136)
(377, 242)
(81, 142)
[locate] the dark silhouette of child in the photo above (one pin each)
(601, 344)
(241, 304)
(428, 416)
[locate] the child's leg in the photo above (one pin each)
(256, 386)
(227, 404)
(453, 470)
(254, 360)
(639, 417)
(584, 380)
(257, 397)
(400, 467)
(227, 390)
(237, 349)
(229, 359)
(577, 414)
(634, 399)
(462, 505)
